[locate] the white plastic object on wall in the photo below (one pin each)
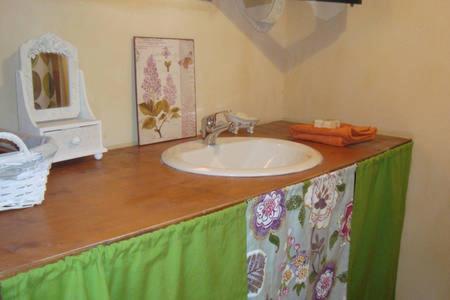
(74, 128)
(327, 10)
(264, 16)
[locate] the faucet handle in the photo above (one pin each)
(214, 115)
(209, 122)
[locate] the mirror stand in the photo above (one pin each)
(69, 119)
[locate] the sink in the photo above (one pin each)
(242, 157)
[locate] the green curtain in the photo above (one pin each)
(377, 221)
(204, 258)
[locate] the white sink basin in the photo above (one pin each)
(242, 157)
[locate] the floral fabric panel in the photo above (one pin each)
(298, 239)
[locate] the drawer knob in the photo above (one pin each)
(76, 140)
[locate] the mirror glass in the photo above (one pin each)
(50, 81)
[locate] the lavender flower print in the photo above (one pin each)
(268, 213)
(170, 90)
(166, 53)
(151, 84)
(157, 111)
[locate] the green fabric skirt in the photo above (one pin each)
(203, 258)
(377, 222)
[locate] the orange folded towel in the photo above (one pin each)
(345, 135)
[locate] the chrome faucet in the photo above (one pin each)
(211, 129)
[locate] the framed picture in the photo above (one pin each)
(165, 89)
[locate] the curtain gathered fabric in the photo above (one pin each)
(380, 195)
(203, 258)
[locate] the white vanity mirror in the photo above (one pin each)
(52, 98)
(262, 14)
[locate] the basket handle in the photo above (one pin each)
(16, 140)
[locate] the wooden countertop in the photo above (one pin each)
(131, 192)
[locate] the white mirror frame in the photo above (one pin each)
(50, 43)
(265, 24)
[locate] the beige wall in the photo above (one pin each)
(387, 63)
(102, 30)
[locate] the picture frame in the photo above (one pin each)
(164, 89)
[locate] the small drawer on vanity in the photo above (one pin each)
(77, 142)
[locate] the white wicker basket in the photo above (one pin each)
(23, 174)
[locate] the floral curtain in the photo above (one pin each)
(298, 239)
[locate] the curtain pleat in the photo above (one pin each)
(378, 212)
(203, 258)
